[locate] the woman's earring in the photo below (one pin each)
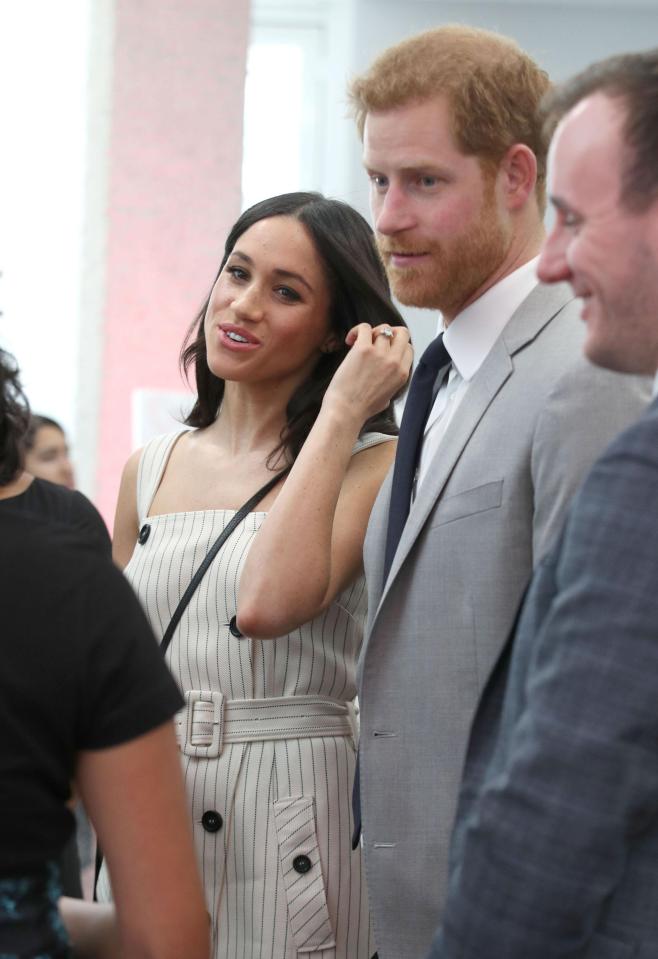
(330, 346)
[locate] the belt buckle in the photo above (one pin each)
(213, 749)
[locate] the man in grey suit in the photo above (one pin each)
(456, 157)
(555, 852)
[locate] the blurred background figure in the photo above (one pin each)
(47, 453)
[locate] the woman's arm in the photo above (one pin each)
(126, 521)
(134, 795)
(309, 547)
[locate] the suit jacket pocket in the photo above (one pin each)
(470, 501)
(301, 868)
(602, 947)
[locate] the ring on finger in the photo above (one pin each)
(385, 331)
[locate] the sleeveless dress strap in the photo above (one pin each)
(152, 463)
(157, 451)
(366, 440)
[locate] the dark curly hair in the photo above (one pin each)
(14, 419)
(359, 293)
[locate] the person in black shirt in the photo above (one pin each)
(84, 696)
(50, 497)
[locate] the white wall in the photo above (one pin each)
(321, 153)
(43, 74)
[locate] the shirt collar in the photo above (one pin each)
(473, 332)
(654, 392)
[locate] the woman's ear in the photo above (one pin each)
(331, 344)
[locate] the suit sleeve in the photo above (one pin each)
(573, 782)
(584, 411)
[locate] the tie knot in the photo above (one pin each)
(435, 356)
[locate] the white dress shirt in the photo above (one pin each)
(469, 340)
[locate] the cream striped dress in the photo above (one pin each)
(267, 741)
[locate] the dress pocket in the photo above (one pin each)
(299, 854)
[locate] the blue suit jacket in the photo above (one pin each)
(555, 849)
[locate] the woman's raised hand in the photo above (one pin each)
(376, 367)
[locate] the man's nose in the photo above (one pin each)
(393, 211)
(553, 266)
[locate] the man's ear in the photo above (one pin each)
(518, 175)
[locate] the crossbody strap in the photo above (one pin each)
(212, 552)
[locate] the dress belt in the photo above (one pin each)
(209, 720)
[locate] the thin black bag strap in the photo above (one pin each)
(189, 592)
(212, 552)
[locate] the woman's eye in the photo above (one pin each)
(237, 272)
(287, 293)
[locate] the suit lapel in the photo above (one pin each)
(481, 391)
(530, 318)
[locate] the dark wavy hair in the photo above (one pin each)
(14, 419)
(358, 291)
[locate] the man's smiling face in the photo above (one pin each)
(607, 252)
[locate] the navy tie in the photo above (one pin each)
(416, 410)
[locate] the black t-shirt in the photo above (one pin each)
(56, 504)
(80, 670)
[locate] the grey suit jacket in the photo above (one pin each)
(533, 420)
(555, 852)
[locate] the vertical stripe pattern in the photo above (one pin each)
(260, 905)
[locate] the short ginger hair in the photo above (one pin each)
(493, 88)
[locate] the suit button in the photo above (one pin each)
(301, 864)
(233, 628)
(211, 821)
(144, 534)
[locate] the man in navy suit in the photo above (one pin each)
(555, 848)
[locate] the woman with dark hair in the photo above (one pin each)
(298, 352)
(47, 453)
(84, 696)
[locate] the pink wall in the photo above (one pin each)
(174, 190)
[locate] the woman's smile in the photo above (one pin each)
(236, 338)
